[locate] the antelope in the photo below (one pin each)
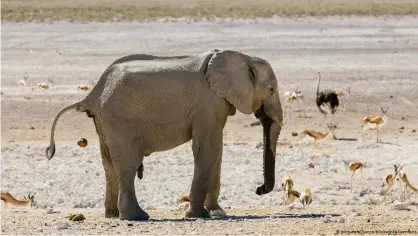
(183, 198)
(43, 85)
(7, 198)
(290, 98)
(375, 122)
(292, 195)
(83, 87)
(327, 98)
(287, 184)
(306, 197)
(389, 180)
(299, 99)
(316, 135)
(353, 167)
(186, 198)
(22, 82)
(405, 185)
(341, 93)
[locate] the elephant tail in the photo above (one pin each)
(183, 198)
(79, 106)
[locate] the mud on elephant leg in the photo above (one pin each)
(112, 186)
(211, 201)
(126, 159)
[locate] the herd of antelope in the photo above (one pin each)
(328, 102)
(328, 99)
(47, 85)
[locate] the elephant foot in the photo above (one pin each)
(134, 215)
(201, 213)
(112, 213)
(139, 217)
(216, 211)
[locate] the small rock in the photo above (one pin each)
(368, 220)
(82, 142)
(294, 134)
(130, 224)
(32, 127)
(356, 214)
(413, 131)
(255, 123)
(183, 206)
(400, 206)
(391, 96)
(341, 220)
(403, 118)
(77, 217)
(311, 165)
(295, 206)
(402, 127)
(63, 225)
(329, 219)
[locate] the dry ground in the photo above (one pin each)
(376, 57)
(128, 10)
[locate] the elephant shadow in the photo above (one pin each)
(249, 217)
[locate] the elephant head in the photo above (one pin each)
(250, 85)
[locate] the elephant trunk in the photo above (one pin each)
(271, 131)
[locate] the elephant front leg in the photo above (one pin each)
(211, 201)
(205, 150)
(112, 186)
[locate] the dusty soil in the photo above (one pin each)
(375, 57)
(150, 10)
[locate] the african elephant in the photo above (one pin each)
(144, 104)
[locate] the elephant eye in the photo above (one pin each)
(271, 90)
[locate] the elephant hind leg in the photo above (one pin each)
(112, 186)
(127, 159)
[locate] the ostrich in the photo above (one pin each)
(327, 98)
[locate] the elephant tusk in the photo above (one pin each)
(279, 122)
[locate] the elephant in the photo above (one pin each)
(144, 104)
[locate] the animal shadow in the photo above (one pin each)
(347, 139)
(249, 217)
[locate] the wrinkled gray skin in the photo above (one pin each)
(144, 104)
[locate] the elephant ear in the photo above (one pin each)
(232, 77)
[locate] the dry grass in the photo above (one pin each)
(127, 10)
